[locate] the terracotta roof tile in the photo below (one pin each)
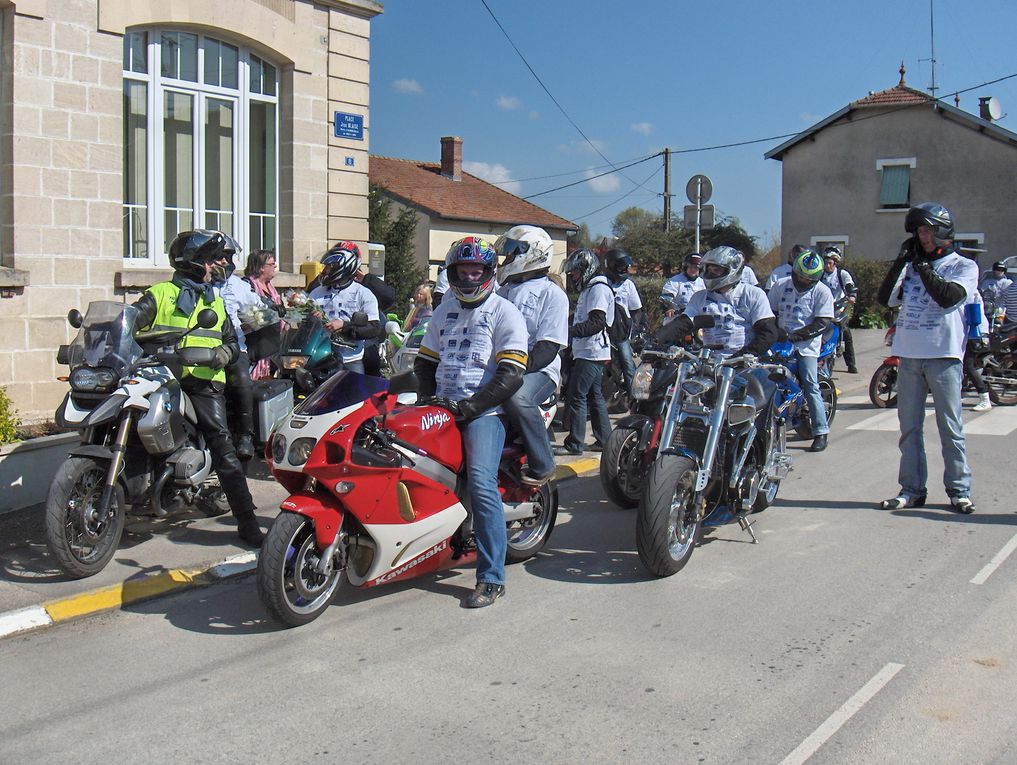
(422, 184)
(895, 96)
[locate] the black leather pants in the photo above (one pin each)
(239, 390)
(210, 408)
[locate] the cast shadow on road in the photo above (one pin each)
(945, 513)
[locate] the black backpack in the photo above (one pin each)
(621, 329)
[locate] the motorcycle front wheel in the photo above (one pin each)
(883, 386)
(621, 467)
(289, 583)
(1000, 374)
(828, 392)
(527, 537)
(667, 527)
(77, 538)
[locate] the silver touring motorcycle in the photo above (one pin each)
(141, 450)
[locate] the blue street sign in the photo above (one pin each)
(349, 126)
(350, 162)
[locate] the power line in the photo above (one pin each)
(542, 85)
(560, 175)
(598, 175)
(619, 199)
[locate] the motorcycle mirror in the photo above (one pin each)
(702, 321)
(207, 318)
(403, 383)
(359, 319)
(74, 318)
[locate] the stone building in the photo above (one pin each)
(123, 122)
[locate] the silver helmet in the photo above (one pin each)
(727, 258)
(524, 250)
(579, 268)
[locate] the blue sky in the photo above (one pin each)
(636, 77)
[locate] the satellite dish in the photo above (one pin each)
(993, 107)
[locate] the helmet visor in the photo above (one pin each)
(510, 248)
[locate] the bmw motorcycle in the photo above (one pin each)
(141, 450)
(722, 453)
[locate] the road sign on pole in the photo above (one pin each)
(699, 189)
(698, 215)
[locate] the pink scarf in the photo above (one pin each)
(263, 368)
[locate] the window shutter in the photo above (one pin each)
(896, 189)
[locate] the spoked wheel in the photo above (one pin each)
(883, 386)
(767, 489)
(667, 526)
(527, 537)
(290, 585)
(621, 467)
(1000, 374)
(81, 541)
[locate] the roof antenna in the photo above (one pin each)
(932, 41)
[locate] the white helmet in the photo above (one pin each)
(727, 258)
(524, 249)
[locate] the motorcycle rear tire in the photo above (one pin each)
(621, 475)
(828, 391)
(527, 539)
(82, 479)
(883, 387)
(1001, 394)
(291, 592)
(665, 535)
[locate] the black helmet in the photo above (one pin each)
(190, 250)
(617, 263)
(692, 259)
(931, 214)
(999, 265)
(342, 262)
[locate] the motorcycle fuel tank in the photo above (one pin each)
(433, 428)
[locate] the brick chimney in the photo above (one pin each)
(452, 157)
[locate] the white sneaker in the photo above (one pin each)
(983, 404)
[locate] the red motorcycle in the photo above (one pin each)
(375, 493)
(883, 385)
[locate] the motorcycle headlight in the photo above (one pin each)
(696, 387)
(278, 448)
(641, 381)
(93, 380)
(292, 362)
(300, 450)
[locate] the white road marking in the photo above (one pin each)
(834, 722)
(23, 619)
(996, 561)
(883, 421)
(998, 421)
(855, 399)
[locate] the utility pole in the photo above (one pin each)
(667, 189)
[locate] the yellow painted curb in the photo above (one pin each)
(574, 468)
(122, 594)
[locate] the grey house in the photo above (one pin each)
(850, 179)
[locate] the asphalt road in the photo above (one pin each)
(848, 633)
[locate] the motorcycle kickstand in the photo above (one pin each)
(747, 526)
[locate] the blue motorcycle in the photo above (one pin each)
(791, 401)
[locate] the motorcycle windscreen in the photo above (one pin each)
(343, 389)
(106, 337)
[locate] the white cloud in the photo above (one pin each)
(534, 115)
(508, 103)
(642, 127)
(497, 174)
(605, 184)
(407, 86)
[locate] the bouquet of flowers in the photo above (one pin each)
(298, 305)
(257, 317)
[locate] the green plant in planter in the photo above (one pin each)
(9, 422)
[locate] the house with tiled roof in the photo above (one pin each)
(850, 178)
(451, 204)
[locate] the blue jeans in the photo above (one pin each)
(587, 380)
(628, 364)
(484, 439)
(808, 378)
(915, 378)
(524, 410)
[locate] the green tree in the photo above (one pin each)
(728, 230)
(401, 269)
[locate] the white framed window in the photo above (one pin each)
(201, 148)
(895, 183)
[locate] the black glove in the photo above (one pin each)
(782, 335)
(909, 248)
(797, 336)
(222, 358)
(444, 403)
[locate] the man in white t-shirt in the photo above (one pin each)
(339, 296)
(677, 290)
(784, 269)
(526, 261)
(472, 358)
(804, 309)
(993, 286)
(591, 349)
(842, 285)
(743, 319)
(931, 283)
(617, 264)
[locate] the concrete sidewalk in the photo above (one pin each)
(155, 557)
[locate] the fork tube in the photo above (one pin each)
(736, 474)
(717, 420)
(673, 408)
(116, 464)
